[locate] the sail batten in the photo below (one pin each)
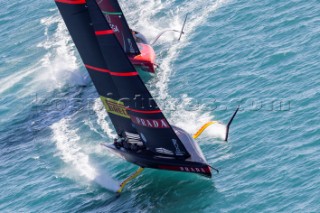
(144, 111)
(124, 74)
(72, 1)
(104, 32)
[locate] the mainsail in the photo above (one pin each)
(113, 14)
(78, 22)
(127, 100)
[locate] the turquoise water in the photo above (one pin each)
(263, 55)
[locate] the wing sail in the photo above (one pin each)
(127, 100)
(145, 114)
(76, 17)
(114, 15)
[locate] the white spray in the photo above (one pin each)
(59, 64)
(149, 24)
(70, 152)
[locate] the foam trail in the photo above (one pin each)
(101, 113)
(150, 24)
(194, 20)
(101, 121)
(71, 153)
(217, 131)
(195, 119)
(59, 63)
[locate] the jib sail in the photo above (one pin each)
(127, 100)
(113, 14)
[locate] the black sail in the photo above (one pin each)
(127, 100)
(76, 17)
(114, 15)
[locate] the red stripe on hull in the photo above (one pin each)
(104, 32)
(121, 74)
(71, 1)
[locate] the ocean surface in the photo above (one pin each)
(261, 55)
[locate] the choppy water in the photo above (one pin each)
(263, 55)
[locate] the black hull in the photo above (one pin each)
(146, 159)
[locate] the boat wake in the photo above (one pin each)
(102, 118)
(150, 22)
(77, 160)
(62, 67)
(59, 63)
